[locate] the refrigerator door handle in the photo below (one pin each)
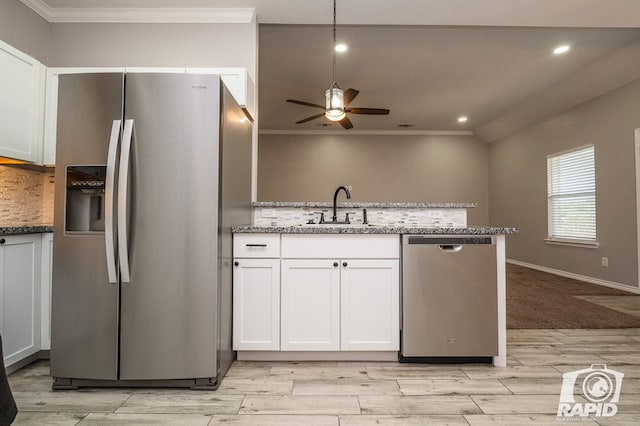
(123, 197)
(114, 141)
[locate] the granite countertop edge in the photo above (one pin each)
(25, 229)
(324, 204)
(319, 229)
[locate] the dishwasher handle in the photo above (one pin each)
(445, 241)
(450, 248)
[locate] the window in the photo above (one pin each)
(571, 196)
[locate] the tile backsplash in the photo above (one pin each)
(384, 216)
(26, 196)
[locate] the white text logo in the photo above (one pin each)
(599, 385)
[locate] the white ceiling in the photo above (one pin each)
(428, 61)
(579, 13)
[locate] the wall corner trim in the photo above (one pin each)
(591, 280)
(138, 15)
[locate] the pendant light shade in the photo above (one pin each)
(334, 103)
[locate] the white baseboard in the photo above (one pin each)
(578, 277)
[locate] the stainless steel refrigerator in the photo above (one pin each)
(152, 170)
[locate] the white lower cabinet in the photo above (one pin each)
(256, 292)
(369, 305)
(310, 305)
(256, 304)
(315, 293)
(20, 281)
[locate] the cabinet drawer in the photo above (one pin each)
(256, 245)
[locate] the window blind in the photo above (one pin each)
(571, 194)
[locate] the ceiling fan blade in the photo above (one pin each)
(349, 95)
(346, 123)
(372, 111)
(313, 117)
(293, 101)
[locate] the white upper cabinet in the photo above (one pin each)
(22, 81)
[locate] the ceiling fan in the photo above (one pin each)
(336, 99)
(349, 95)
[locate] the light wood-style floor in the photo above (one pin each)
(360, 393)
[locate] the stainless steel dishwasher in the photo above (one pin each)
(449, 299)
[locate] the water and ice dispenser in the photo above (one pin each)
(85, 198)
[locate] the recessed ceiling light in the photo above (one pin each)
(462, 119)
(341, 47)
(561, 49)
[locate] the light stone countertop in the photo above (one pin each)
(370, 229)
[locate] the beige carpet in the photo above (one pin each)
(538, 300)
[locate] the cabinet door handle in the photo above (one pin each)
(344, 264)
(335, 264)
(236, 263)
(256, 245)
(2, 241)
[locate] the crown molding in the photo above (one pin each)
(368, 132)
(142, 15)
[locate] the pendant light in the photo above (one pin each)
(334, 96)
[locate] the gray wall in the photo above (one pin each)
(518, 186)
(380, 168)
(153, 45)
(24, 29)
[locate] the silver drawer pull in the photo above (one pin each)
(256, 245)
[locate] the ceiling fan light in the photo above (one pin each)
(341, 48)
(334, 115)
(334, 103)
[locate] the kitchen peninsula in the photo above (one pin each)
(308, 290)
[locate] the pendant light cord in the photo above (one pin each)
(334, 44)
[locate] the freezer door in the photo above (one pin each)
(84, 317)
(168, 306)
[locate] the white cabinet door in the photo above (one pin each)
(256, 304)
(21, 105)
(310, 305)
(370, 295)
(20, 265)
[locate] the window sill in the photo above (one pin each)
(572, 243)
